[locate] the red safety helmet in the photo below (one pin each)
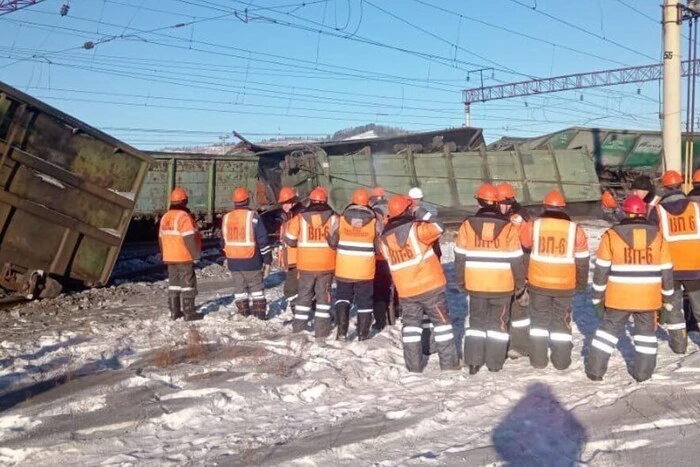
(361, 197)
(554, 199)
(505, 191)
(287, 194)
(634, 205)
(398, 205)
(240, 195)
(378, 192)
(671, 178)
(696, 176)
(608, 200)
(178, 195)
(487, 192)
(319, 195)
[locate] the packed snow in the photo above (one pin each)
(105, 378)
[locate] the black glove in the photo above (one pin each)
(522, 296)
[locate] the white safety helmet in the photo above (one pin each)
(415, 193)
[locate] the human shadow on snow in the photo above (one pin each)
(540, 432)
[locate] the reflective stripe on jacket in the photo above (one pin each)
(559, 257)
(179, 238)
(633, 269)
(407, 246)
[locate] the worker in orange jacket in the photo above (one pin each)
(355, 239)
(180, 246)
(248, 255)
(489, 268)
(694, 194)
(558, 268)
(633, 276)
(383, 292)
(519, 315)
(678, 218)
(406, 243)
(288, 255)
(309, 231)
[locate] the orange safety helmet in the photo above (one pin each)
(178, 195)
(398, 205)
(240, 195)
(378, 192)
(634, 205)
(671, 178)
(506, 191)
(696, 176)
(608, 200)
(487, 192)
(319, 195)
(554, 199)
(287, 194)
(361, 197)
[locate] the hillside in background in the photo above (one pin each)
(371, 130)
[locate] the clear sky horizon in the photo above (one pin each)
(166, 73)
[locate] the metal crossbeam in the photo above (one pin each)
(8, 6)
(635, 74)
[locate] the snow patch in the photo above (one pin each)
(655, 425)
(15, 424)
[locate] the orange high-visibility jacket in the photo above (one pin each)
(239, 235)
(179, 238)
(309, 231)
(488, 256)
(682, 232)
(407, 246)
(355, 242)
(287, 254)
(633, 269)
(559, 258)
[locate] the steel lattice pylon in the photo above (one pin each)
(8, 6)
(635, 74)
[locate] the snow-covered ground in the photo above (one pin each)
(104, 378)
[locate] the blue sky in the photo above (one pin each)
(180, 72)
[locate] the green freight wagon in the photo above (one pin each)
(67, 196)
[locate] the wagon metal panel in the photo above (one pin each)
(67, 195)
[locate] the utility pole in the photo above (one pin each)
(672, 85)
(223, 143)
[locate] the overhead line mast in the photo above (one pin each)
(9, 6)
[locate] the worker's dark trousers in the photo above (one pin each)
(382, 294)
(314, 285)
(486, 338)
(291, 287)
(434, 305)
(605, 340)
(428, 337)
(519, 327)
(361, 293)
(182, 289)
(550, 326)
(675, 319)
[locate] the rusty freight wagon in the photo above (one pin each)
(67, 196)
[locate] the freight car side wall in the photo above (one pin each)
(208, 179)
(67, 193)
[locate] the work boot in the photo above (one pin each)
(174, 304)
(474, 369)
(380, 315)
(189, 309)
(364, 321)
(243, 307)
(593, 377)
(342, 313)
(260, 308)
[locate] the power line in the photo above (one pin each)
(583, 30)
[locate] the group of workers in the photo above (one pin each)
(520, 273)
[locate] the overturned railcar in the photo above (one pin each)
(448, 171)
(67, 196)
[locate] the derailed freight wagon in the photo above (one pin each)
(67, 196)
(619, 155)
(448, 168)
